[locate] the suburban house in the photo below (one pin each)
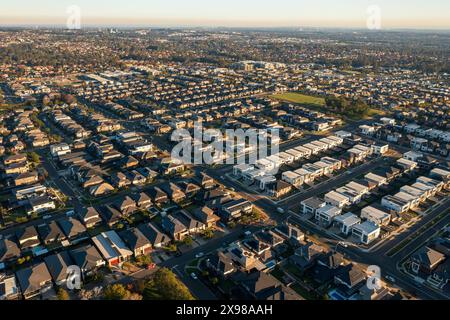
(34, 280)
(110, 215)
(125, 205)
(221, 264)
(40, 204)
(72, 228)
(207, 216)
(174, 192)
(8, 287)
(262, 286)
(235, 209)
(9, 249)
(87, 258)
(28, 238)
(136, 241)
(349, 280)
(159, 197)
(175, 228)
(142, 200)
(89, 216)
(156, 237)
(57, 265)
(426, 260)
(279, 189)
(112, 248)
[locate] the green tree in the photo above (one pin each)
(62, 294)
(188, 241)
(116, 292)
(34, 157)
(164, 285)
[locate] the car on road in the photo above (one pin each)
(280, 210)
(194, 276)
(199, 255)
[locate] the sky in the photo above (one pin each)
(418, 14)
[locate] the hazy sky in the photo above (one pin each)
(320, 13)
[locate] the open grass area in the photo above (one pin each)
(300, 99)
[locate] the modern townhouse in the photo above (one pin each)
(395, 204)
(345, 222)
(435, 184)
(292, 178)
(375, 215)
(326, 215)
(315, 170)
(417, 193)
(378, 180)
(354, 197)
(235, 208)
(306, 175)
(297, 155)
(314, 149)
(360, 189)
(407, 165)
(305, 152)
(311, 205)
(366, 232)
(336, 199)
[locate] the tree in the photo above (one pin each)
(62, 294)
(208, 233)
(34, 157)
(116, 292)
(164, 285)
(188, 241)
(214, 281)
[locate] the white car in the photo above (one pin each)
(199, 255)
(194, 276)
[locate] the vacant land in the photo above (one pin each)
(320, 104)
(300, 99)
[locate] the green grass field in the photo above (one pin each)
(300, 99)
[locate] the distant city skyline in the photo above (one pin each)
(399, 14)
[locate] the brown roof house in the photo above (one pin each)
(207, 216)
(89, 216)
(34, 280)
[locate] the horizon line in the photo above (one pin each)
(200, 26)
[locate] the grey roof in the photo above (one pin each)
(71, 227)
(57, 265)
(86, 257)
(31, 279)
(134, 238)
(153, 234)
(9, 249)
(50, 232)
